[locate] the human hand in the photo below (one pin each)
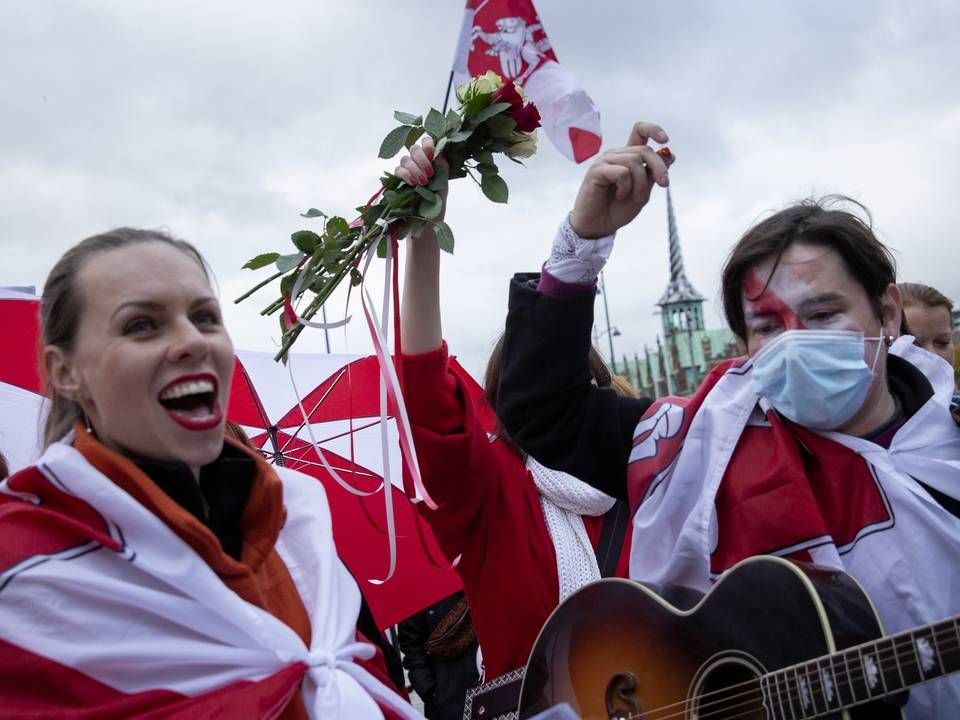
(618, 184)
(418, 167)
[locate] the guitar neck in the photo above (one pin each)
(863, 673)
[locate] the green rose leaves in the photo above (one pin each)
(494, 118)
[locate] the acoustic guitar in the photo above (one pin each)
(773, 640)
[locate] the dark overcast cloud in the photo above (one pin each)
(222, 120)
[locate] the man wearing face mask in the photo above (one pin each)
(831, 442)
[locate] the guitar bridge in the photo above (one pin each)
(620, 697)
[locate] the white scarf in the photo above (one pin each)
(565, 499)
(155, 616)
(910, 567)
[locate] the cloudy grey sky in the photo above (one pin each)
(222, 120)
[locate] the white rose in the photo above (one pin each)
(484, 84)
(523, 145)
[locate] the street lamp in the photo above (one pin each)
(611, 332)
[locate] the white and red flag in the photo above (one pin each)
(106, 613)
(506, 36)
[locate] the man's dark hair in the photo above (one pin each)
(816, 222)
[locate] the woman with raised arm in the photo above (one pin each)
(148, 565)
(830, 442)
(526, 534)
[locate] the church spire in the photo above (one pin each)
(679, 289)
(681, 305)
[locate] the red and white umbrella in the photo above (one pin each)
(340, 399)
(21, 399)
(343, 410)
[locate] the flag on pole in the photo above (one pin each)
(506, 36)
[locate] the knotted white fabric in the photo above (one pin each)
(565, 499)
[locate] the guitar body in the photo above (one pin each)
(615, 649)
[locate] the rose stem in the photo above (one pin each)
(256, 287)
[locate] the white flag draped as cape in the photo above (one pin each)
(112, 608)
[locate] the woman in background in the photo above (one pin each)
(928, 314)
(526, 534)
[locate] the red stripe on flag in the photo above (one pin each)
(585, 144)
(38, 687)
(60, 522)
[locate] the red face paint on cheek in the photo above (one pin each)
(761, 300)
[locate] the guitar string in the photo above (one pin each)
(751, 701)
(882, 656)
(755, 703)
(791, 696)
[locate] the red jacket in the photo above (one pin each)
(489, 512)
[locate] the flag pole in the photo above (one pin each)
(606, 311)
(446, 97)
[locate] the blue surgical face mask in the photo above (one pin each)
(816, 378)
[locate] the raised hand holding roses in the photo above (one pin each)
(493, 118)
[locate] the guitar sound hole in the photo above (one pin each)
(729, 688)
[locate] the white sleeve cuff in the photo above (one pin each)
(574, 259)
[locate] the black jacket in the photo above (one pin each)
(545, 399)
(441, 684)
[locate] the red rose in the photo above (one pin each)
(508, 94)
(527, 117)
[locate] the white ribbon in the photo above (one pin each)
(316, 445)
(388, 377)
(297, 286)
(389, 374)
(384, 435)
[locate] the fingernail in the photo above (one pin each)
(423, 180)
(429, 171)
(429, 154)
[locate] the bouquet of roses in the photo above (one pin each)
(493, 118)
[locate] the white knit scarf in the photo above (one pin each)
(565, 499)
